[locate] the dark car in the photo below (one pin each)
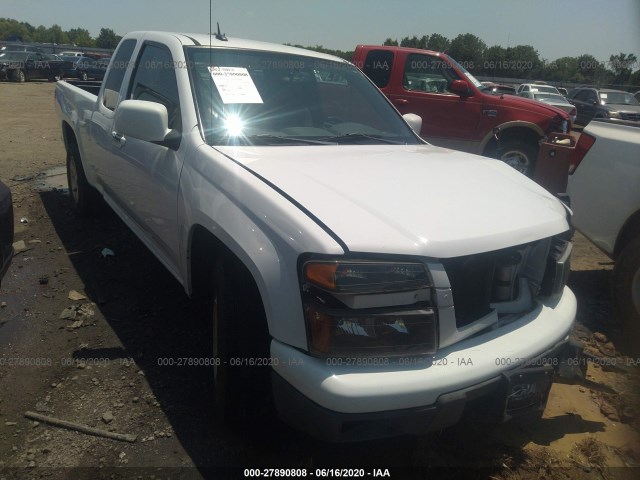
(70, 65)
(91, 69)
(6, 229)
(23, 66)
(12, 47)
(604, 103)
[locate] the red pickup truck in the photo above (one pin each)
(457, 110)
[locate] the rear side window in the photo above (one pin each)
(155, 81)
(116, 73)
(377, 66)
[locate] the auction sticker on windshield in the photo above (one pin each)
(235, 85)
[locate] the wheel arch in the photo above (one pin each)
(517, 129)
(205, 249)
(69, 136)
(629, 231)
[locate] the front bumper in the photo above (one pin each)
(350, 401)
(485, 401)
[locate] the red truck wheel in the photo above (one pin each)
(518, 154)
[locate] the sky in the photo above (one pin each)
(556, 28)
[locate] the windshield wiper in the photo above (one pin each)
(283, 139)
(355, 136)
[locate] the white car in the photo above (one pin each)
(378, 283)
(537, 87)
(555, 99)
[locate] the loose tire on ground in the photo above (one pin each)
(518, 154)
(626, 287)
(240, 337)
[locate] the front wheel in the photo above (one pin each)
(519, 154)
(240, 345)
(626, 287)
(19, 76)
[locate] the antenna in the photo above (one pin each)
(221, 36)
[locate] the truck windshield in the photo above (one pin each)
(471, 78)
(250, 97)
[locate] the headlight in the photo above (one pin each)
(366, 277)
(364, 308)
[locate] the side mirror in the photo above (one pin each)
(414, 121)
(460, 87)
(147, 121)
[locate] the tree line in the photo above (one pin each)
(13, 30)
(519, 62)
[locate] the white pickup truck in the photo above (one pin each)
(604, 187)
(370, 283)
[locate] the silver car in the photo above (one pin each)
(554, 99)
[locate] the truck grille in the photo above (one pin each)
(630, 116)
(481, 282)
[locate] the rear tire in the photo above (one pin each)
(83, 196)
(626, 287)
(518, 154)
(241, 344)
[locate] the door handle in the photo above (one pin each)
(401, 101)
(119, 137)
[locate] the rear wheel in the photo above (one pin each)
(240, 344)
(626, 287)
(82, 194)
(519, 154)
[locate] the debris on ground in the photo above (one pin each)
(107, 252)
(81, 428)
(75, 295)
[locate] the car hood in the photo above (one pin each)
(415, 200)
(614, 107)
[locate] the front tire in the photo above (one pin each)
(240, 344)
(519, 154)
(19, 76)
(626, 287)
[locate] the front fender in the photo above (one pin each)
(263, 229)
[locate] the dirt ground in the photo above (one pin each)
(100, 366)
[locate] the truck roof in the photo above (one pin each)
(400, 49)
(204, 39)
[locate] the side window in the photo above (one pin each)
(425, 73)
(116, 73)
(592, 97)
(377, 66)
(583, 96)
(155, 81)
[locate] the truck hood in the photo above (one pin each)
(528, 104)
(415, 200)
